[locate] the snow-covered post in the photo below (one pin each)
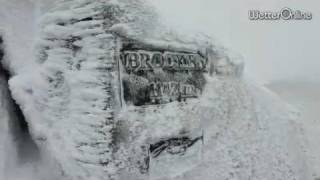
(77, 55)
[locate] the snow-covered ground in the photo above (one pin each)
(305, 96)
(256, 139)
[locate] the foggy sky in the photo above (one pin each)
(273, 50)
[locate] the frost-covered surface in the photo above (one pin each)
(144, 126)
(67, 93)
(249, 136)
(70, 101)
(249, 133)
(305, 97)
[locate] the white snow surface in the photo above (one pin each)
(249, 132)
(250, 137)
(305, 97)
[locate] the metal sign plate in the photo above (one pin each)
(154, 77)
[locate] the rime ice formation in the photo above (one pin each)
(76, 84)
(212, 124)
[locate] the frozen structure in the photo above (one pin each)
(112, 94)
(86, 55)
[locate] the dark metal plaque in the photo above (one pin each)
(155, 77)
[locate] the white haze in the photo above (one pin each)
(273, 50)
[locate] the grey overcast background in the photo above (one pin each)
(273, 50)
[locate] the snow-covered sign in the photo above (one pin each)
(134, 61)
(161, 78)
(157, 77)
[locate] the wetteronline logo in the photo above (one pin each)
(283, 14)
